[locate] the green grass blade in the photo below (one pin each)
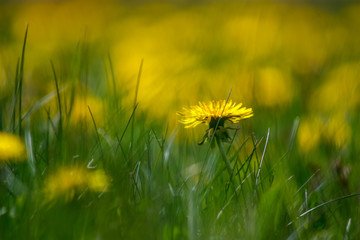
(329, 202)
(136, 102)
(262, 157)
(15, 97)
(97, 134)
(21, 77)
(60, 129)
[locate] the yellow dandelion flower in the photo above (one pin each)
(70, 180)
(215, 113)
(81, 112)
(337, 132)
(98, 181)
(315, 131)
(11, 148)
(309, 134)
(274, 88)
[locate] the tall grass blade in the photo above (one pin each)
(60, 129)
(29, 146)
(248, 159)
(293, 135)
(113, 78)
(14, 99)
(347, 230)
(126, 127)
(97, 134)
(40, 103)
(313, 175)
(136, 102)
(11, 182)
(169, 146)
(328, 202)
(21, 77)
(239, 149)
(224, 157)
(262, 157)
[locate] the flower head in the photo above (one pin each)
(11, 148)
(215, 114)
(70, 180)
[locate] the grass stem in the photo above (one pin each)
(224, 157)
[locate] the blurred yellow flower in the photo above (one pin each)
(261, 33)
(70, 180)
(80, 111)
(313, 131)
(215, 113)
(273, 88)
(11, 148)
(337, 132)
(339, 92)
(309, 134)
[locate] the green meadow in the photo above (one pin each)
(103, 105)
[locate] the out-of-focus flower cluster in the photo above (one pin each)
(271, 59)
(68, 181)
(12, 148)
(315, 130)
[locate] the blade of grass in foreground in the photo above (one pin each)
(262, 157)
(328, 202)
(14, 100)
(97, 135)
(123, 134)
(29, 146)
(11, 182)
(59, 104)
(113, 81)
(325, 204)
(21, 77)
(135, 103)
